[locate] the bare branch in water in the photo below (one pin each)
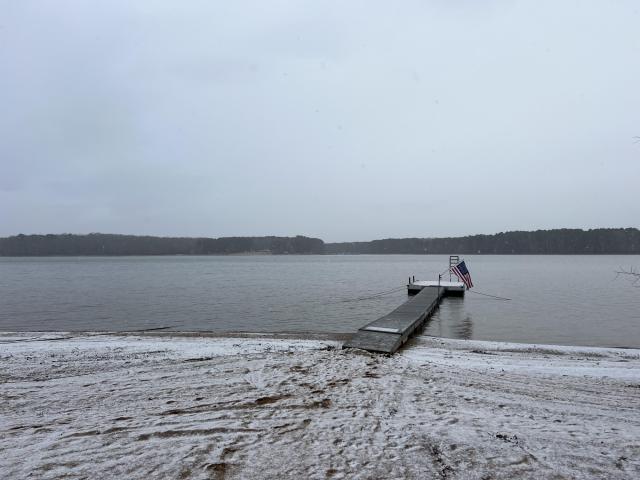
(631, 274)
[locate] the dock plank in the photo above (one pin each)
(375, 341)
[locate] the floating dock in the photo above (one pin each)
(451, 289)
(388, 333)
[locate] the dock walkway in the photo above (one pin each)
(388, 333)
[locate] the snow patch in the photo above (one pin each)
(97, 406)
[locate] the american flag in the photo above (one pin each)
(463, 274)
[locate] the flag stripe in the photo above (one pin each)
(461, 271)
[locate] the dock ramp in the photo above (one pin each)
(388, 333)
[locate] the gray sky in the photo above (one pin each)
(343, 120)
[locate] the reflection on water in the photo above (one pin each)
(451, 320)
(465, 329)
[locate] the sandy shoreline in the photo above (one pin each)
(167, 406)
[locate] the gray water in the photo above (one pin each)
(571, 300)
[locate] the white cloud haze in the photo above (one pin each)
(342, 120)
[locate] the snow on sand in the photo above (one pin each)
(112, 406)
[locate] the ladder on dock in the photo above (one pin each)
(453, 261)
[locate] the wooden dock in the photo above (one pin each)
(388, 333)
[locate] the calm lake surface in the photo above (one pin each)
(570, 300)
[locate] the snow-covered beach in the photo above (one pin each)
(150, 406)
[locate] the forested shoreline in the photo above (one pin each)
(559, 241)
(96, 244)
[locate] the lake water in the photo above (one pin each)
(572, 300)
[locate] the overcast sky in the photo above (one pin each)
(343, 120)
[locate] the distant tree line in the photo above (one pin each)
(561, 241)
(273, 245)
(108, 244)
